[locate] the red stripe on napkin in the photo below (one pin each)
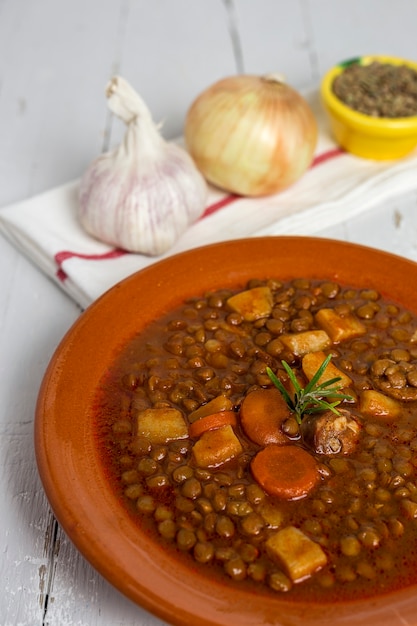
(326, 156)
(318, 160)
(64, 255)
(220, 204)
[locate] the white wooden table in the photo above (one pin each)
(55, 60)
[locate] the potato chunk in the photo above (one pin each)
(308, 341)
(162, 425)
(252, 304)
(218, 404)
(376, 404)
(311, 363)
(216, 447)
(296, 553)
(339, 327)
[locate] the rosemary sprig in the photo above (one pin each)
(310, 399)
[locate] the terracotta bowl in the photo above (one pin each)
(68, 458)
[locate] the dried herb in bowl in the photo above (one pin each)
(378, 89)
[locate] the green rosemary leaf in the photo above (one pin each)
(281, 387)
(292, 377)
(311, 399)
(321, 405)
(313, 382)
(327, 383)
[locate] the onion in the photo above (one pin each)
(251, 135)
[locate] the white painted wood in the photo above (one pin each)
(276, 37)
(33, 317)
(172, 51)
(390, 226)
(343, 30)
(55, 60)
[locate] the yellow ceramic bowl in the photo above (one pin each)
(363, 135)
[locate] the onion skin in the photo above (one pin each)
(251, 135)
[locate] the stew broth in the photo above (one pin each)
(181, 455)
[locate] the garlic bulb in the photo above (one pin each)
(251, 135)
(142, 196)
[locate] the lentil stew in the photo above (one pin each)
(166, 581)
(208, 458)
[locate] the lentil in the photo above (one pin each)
(378, 89)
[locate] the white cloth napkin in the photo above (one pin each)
(336, 187)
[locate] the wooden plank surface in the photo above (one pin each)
(55, 60)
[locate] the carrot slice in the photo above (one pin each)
(209, 422)
(262, 414)
(288, 472)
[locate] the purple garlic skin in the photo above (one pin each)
(142, 196)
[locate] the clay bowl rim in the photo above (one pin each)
(67, 457)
